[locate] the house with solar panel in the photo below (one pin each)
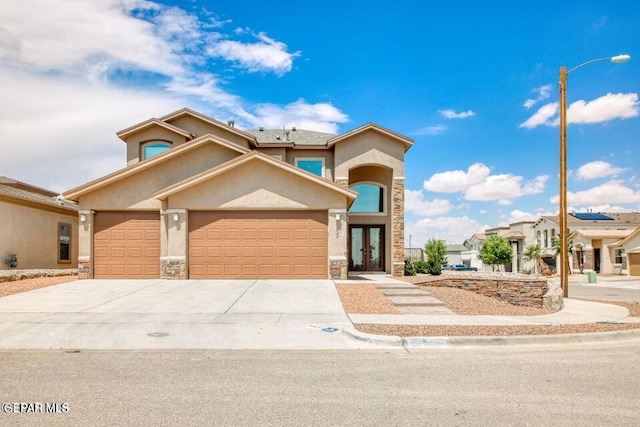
(597, 241)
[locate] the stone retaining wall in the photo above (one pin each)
(516, 289)
(11, 275)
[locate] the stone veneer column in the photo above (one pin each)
(85, 243)
(173, 265)
(397, 227)
(338, 264)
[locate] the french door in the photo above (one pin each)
(366, 247)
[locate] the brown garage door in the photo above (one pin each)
(263, 244)
(634, 264)
(126, 245)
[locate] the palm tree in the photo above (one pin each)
(555, 244)
(534, 253)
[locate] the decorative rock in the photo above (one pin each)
(11, 275)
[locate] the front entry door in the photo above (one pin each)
(366, 243)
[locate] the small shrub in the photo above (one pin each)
(421, 267)
(434, 267)
(12, 261)
(409, 268)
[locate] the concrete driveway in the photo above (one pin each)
(159, 314)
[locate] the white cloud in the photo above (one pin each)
(431, 130)
(608, 107)
(451, 229)
(321, 117)
(265, 55)
(414, 202)
(478, 184)
(543, 92)
(517, 215)
(608, 193)
(542, 117)
(597, 169)
(457, 180)
(451, 114)
(68, 35)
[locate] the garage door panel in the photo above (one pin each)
(265, 244)
(634, 264)
(127, 245)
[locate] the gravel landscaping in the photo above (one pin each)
(24, 285)
(367, 299)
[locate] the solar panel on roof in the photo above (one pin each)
(592, 216)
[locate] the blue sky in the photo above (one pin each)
(473, 83)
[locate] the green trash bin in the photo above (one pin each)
(591, 276)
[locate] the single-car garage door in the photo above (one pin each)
(634, 264)
(259, 244)
(126, 245)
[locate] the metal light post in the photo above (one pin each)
(564, 259)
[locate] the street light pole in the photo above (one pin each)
(562, 209)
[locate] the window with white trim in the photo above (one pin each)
(153, 148)
(618, 256)
(313, 165)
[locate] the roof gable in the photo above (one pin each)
(125, 133)
(189, 112)
(152, 161)
(407, 142)
(251, 157)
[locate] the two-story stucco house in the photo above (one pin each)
(203, 199)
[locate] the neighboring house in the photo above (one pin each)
(626, 253)
(454, 254)
(471, 256)
(201, 199)
(37, 226)
(597, 231)
(519, 235)
(602, 257)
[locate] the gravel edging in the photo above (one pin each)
(25, 285)
(15, 275)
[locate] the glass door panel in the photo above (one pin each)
(356, 236)
(366, 247)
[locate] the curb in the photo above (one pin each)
(483, 341)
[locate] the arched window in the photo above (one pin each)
(370, 199)
(152, 148)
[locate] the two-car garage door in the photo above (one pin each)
(222, 244)
(258, 244)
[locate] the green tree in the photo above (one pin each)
(436, 253)
(496, 250)
(555, 244)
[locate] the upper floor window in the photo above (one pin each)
(315, 166)
(370, 199)
(546, 239)
(153, 148)
(64, 242)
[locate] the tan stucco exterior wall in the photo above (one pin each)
(257, 185)
(368, 148)
(136, 191)
(32, 234)
(153, 133)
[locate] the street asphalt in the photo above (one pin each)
(240, 314)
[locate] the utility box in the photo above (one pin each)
(591, 277)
